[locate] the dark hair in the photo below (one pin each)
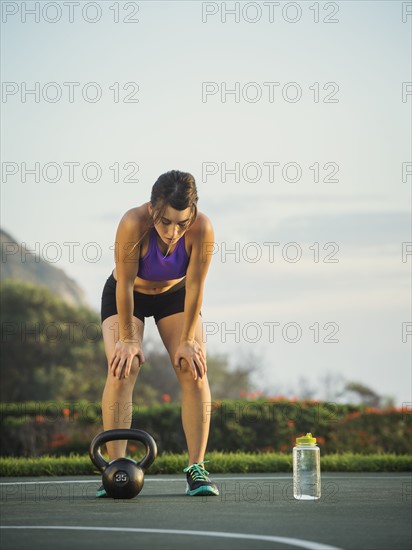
(176, 189)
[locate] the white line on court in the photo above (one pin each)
(300, 543)
(215, 478)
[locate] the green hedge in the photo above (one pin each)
(219, 463)
(271, 425)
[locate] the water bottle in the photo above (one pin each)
(306, 468)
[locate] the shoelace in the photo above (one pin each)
(197, 473)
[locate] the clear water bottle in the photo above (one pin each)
(306, 468)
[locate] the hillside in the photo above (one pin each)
(16, 265)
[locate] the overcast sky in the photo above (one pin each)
(294, 118)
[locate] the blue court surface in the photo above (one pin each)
(357, 511)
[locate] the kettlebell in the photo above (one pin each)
(123, 477)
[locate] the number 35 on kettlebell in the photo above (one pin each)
(123, 477)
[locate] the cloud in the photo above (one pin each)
(354, 229)
(287, 219)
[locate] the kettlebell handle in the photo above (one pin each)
(115, 435)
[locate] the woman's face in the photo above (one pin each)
(172, 224)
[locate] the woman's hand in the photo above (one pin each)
(124, 352)
(192, 352)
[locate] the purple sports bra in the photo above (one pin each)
(154, 266)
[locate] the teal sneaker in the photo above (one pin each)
(101, 492)
(198, 483)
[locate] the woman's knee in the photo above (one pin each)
(111, 334)
(131, 379)
(185, 374)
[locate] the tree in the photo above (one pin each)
(364, 394)
(50, 349)
(230, 382)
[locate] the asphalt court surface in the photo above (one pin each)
(357, 511)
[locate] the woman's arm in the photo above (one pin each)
(199, 263)
(196, 275)
(127, 255)
(127, 261)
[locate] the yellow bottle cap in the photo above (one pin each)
(306, 440)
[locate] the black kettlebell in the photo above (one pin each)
(123, 477)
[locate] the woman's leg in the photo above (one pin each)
(117, 397)
(195, 393)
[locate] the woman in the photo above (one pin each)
(161, 265)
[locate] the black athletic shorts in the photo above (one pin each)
(145, 305)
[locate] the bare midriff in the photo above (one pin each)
(154, 287)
